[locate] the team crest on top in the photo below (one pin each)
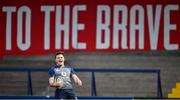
(63, 73)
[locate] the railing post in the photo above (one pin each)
(29, 90)
(159, 94)
(93, 85)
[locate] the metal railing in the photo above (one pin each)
(93, 71)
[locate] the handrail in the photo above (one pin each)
(93, 85)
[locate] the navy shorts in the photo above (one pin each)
(65, 94)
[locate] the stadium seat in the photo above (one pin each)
(175, 91)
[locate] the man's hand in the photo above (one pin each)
(55, 83)
(59, 82)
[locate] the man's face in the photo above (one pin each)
(59, 60)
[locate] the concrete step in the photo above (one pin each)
(173, 96)
(176, 91)
(178, 85)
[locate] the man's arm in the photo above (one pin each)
(77, 80)
(53, 83)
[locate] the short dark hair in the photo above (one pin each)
(58, 53)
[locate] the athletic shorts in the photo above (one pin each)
(64, 94)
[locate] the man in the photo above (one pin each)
(60, 77)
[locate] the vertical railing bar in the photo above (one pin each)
(29, 83)
(93, 88)
(160, 95)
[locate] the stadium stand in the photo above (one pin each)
(167, 62)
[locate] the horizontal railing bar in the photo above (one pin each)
(120, 70)
(86, 70)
